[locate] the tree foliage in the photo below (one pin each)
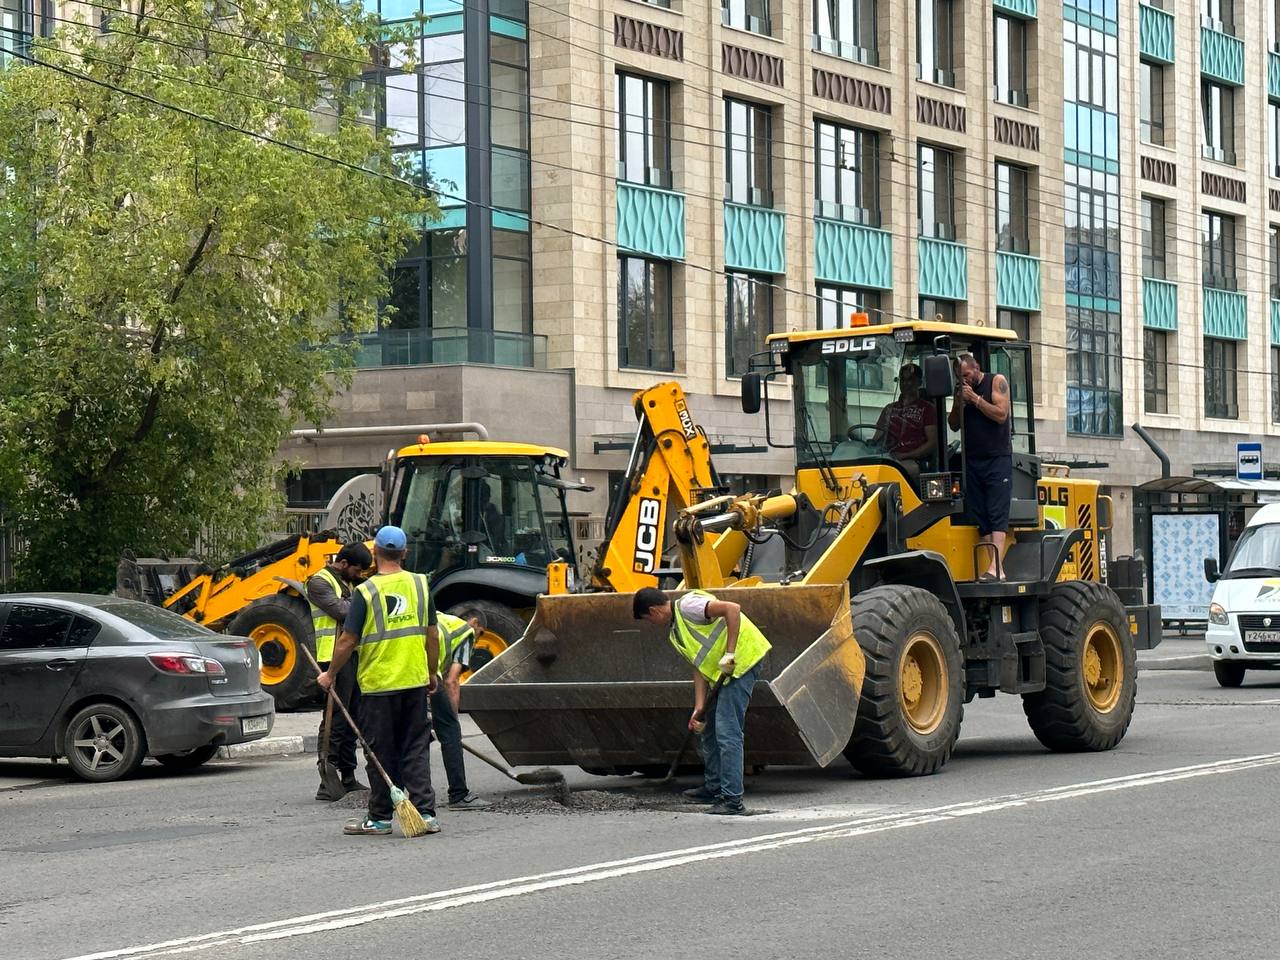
(169, 287)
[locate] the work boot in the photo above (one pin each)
(364, 827)
(701, 795)
(351, 784)
(469, 802)
(727, 807)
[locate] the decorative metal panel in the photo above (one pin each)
(1159, 304)
(1017, 281)
(1155, 34)
(1221, 56)
(1226, 314)
(753, 239)
(1021, 8)
(944, 269)
(632, 34)
(1224, 188)
(851, 92)
(1159, 171)
(1273, 198)
(937, 113)
(1273, 75)
(853, 254)
(651, 221)
(1017, 134)
(1275, 322)
(750, 65)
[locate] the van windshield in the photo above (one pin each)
(1257, 553)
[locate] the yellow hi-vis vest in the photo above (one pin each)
(454, 632)
(393, 653)
(324, 626)
(703, 644)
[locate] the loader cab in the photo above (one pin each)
(482, 506)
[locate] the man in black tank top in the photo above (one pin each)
(981, 410)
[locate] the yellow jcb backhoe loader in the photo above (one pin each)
(864, 578)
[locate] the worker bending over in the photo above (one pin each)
(457, 641)
(329, 594)
(393, 620)
(724, 647)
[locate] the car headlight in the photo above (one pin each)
(1217, 614)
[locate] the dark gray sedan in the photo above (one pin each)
(107, 682)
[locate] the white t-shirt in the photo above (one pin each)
(694, 608)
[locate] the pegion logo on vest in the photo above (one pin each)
(686, 420)
(646, 558)
(397, 606)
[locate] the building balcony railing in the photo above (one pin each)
(1275, 322)
(404, 348)
(943, 269)
(1225, 313)
(1017, 281)
(1159, 304)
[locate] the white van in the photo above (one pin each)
(1244, 615)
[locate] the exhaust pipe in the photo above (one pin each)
(408, 429)
(1158, 450)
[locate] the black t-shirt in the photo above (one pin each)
(983, 437)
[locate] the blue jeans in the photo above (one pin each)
(722, 738)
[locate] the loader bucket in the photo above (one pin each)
(589, 685)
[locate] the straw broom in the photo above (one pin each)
(411, 822)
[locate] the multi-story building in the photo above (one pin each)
(635, 191)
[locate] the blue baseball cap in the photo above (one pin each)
(389, 538)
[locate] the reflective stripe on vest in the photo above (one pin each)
(703, 644)
(453, 634)
(393, 653)
(323, 626)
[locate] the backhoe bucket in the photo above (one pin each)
(589, 685)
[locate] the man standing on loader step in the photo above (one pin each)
(725, 648)
(329, 593)
(457, 640)
(981, 407)
(393, 619)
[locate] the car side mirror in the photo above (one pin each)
(751, 393)
(937, 376)
(1211, 570)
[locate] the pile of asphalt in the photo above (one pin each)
(355, 800)
(589, 802)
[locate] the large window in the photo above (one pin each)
(846, 28)
(1275, 384)
(512, 298)
(748, 318)
(1219, 14)
(936, 41)
(1273, 138)
(941, 310)
(644, 130)
(1011, 60)
(1153, 239)
(1013, 233)
(1273, 238)
(935, 192)
(1155, 371)
(848, 174)
(1218, 121)
(1151, 103)
(1218, 246)
(425, 315)
(509, 92)
(15, 29)
(1019, 321)
(644, 314)
(427, 107)
(748, 153)
(750, 15)
(1094, 375)
(836, 304)
(1220, 396)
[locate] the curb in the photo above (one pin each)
(269, 747)
(1193, 661)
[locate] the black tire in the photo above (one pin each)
(1230, 673)
(911, 733)
(278, 625)
(103, 742)
(190, 759)
(502, 623)
(1085, 633)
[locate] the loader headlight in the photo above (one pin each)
(1217, 614)
(939, 487)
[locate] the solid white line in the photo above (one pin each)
(591, 873)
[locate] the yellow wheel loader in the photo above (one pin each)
(865, 577)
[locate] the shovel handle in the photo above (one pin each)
(684, 744)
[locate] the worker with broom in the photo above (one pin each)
(726, 650)
(393, 620)
(329, 594)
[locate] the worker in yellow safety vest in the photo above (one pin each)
(457, 641)
(393, 621)
(725, 649)
(329, 594)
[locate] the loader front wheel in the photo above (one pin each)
(503, 627)
(278, 626)
(910, 709)
(1090, 670)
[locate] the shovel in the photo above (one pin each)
(684, 744)
(330, 779)
(542, 777)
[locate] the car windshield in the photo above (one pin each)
(1257, 553)
(160, 623)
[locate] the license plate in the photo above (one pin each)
(1262, 636)
(255, 724)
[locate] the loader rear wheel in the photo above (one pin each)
(503, 627)
(278, 625)
(1090, 670)
(910, 709)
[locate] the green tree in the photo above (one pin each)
(168, 285)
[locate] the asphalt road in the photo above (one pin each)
(1163, 848)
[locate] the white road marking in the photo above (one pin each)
(841, 811)
(591, 873)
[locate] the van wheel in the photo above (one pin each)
(103, 742)
(1230, 673)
